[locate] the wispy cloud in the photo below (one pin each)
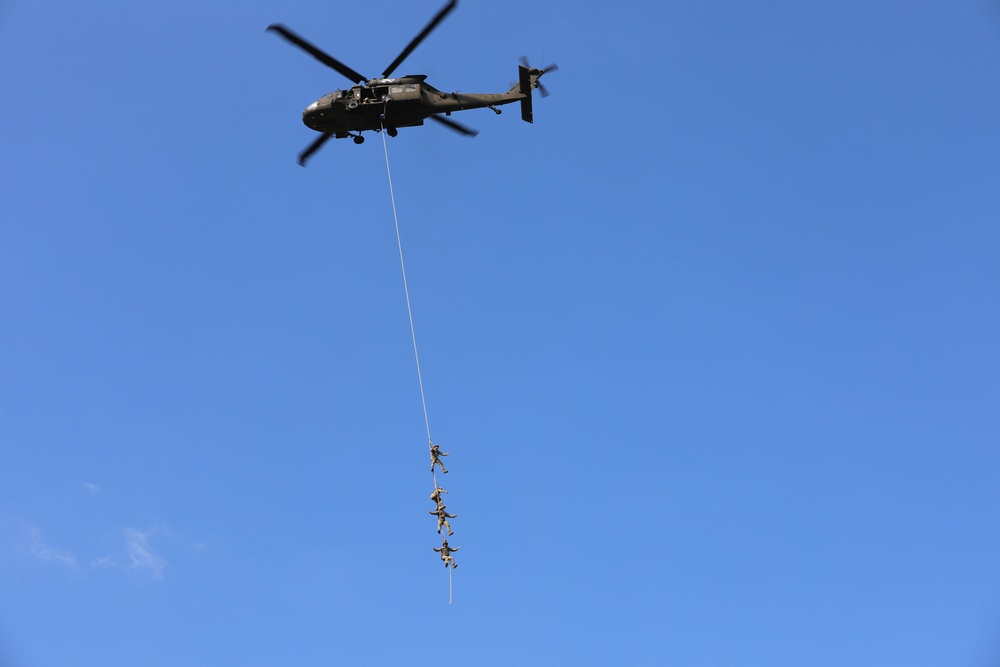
(35, 547)
(141, 555)
(90, 486)
(104, 561)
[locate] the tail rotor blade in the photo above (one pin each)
(316, 53)
(458, 127)
(313, 147)
(538, 84)
(419, 38)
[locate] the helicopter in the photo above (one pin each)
(386, 104)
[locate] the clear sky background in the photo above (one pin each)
(713, 343)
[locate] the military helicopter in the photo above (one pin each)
(388, 104)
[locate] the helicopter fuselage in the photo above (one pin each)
(393, 103)
(385, 104)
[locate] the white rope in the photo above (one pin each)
(413, 333)
(406, 290)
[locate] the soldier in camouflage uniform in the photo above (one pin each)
(446, 552)
(435, 453)
(443, 517)
(436, 495)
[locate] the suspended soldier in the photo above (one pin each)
(435, 453)
(439, 507)
(446, 552)
(436, 495)
(443, 517)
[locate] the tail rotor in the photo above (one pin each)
(538, 74)
(528, 78)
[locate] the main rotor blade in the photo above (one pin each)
(324, 58)
(313, 147)
(419, 38)
(458, 127)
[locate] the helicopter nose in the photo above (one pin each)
(311, 115)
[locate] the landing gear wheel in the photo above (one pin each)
(359, 139)
(391, 131)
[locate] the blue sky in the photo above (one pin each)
(712, 343)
